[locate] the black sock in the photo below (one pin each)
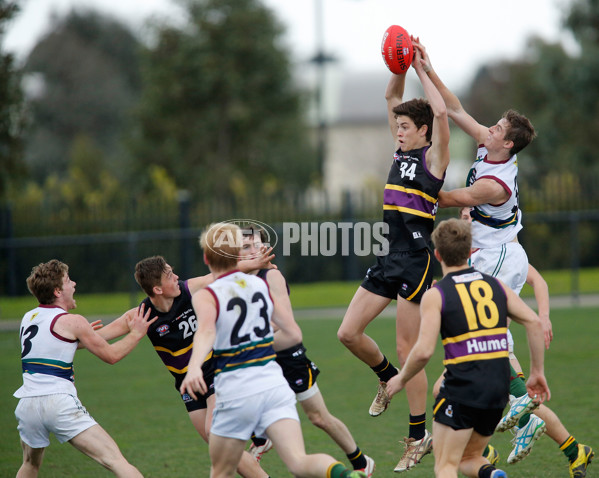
(385, 370)
(485, 471)
(258, 441)
(357, 459)
(417, 426)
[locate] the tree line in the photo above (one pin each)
(95, 116)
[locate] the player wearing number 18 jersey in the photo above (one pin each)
(469, 310)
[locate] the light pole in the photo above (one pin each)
(320, 59)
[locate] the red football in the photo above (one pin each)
(397, 49)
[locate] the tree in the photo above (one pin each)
(558, 91)
(87, 75)
(12, 167)
(219, 111)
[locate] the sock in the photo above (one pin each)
(338, 470)
(518, 389)
(487, 451)
(357, 459)
(570, 448)
(384, 370)
(417, 426)
(517, 384)
(258, 441)
(485, 471)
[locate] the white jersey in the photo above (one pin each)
(243, 348)
(495, 224)
(46, 357)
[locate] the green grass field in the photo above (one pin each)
(136, 403)
(316, 294)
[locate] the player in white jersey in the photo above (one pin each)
(492, 191)
(252, 395)
(48, 400)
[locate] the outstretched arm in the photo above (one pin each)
(437, 157)
(454, 108)
(524, 315)
(117, 328)
(483, 191)
(73, 326)
(394, 96)
(541, 290)
(421, 353)
(282, 312)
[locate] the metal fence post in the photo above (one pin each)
(185, 249)
(575, 258)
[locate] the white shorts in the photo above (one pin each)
(508, 262)
(61, 414)
(306, 394)
(241, 417)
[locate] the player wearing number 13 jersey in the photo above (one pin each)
(48, 404)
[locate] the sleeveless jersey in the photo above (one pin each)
(262, 274)
(410, 201)
(474, 333)
(172, 334)
(243, 348)
(493, 225)
(46, 357)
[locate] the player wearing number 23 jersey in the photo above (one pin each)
(474, 334)
(243, 348)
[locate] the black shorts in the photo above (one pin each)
(299, 371)
(463, 417)
(201, 402)
(408, 274)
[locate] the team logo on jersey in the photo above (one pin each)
(402, 157)
(241, 283)
(163, 330)
(417, 235)
(449, 411)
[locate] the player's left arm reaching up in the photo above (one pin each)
(437, 157)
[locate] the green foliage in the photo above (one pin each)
(559, 92)
(12, 121)
(218, 110)
(85, 74)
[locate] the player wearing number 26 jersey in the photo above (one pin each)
(172, 338)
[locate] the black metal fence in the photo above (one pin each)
(102, 245)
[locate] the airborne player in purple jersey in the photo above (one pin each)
(421, 132)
